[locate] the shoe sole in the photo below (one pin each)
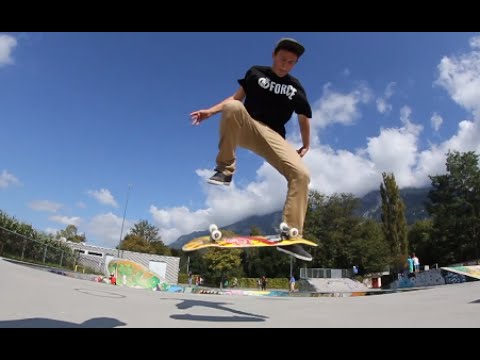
(215, 182)
(304, 258)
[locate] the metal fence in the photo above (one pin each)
(23, 248)
(316, 273)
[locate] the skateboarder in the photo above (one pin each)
(255, 117)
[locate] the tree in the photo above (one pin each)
(71, 234)
(12, 224)
(454, 204)
(221, 262)
(139, 244)
(136, 243)
(370, 248)
(250, 259)
(394, 224)
(334, 224)
(145, 230)
(255, 231)
(420, 240)
(159, 248)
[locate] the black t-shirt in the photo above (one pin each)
(272, 99)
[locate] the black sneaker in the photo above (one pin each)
(220, 179)
(297, 251)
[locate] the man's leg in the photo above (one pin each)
(234, 120)
(283, 157)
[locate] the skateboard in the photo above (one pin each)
(287, 236)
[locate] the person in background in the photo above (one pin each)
(292, 284)
(416, 263)
(264, 283)
(113, 279)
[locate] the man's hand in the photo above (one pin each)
(198, 116)
(302, 151)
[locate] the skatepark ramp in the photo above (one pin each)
(339, 285)
(337, 282)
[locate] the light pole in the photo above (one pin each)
(291, 266)
(123, 221)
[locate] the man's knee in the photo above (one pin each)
(301, 175)
(233, 106)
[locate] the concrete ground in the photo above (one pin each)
(36, 298)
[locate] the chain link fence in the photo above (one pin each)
(22, 248)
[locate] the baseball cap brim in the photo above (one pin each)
(291, 45)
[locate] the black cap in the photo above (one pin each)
(291, 45)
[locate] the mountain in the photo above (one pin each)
(414, 199)
(371, 207)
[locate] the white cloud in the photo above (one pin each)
(460, 76)
(436, 121)
(106, 229)
(475, 42)
(51, 231)
(7, 179)
(335, 107)
(103, 196)
(383, 106)
(346, 72)
(405, 113)
(45, 205)
(65, 220)
(7, 44)
(390, 90)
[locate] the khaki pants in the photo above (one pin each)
(237, 128)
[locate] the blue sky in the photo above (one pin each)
(85, 115)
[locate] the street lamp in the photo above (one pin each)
(123, 221)
(291, 266)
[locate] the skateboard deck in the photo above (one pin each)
(243, 242)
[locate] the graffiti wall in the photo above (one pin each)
(467, 271)
(445, 275)
(132, 274)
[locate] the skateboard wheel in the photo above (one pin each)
(216, 235)
(293, 232)
(284, 226)
(212, 228)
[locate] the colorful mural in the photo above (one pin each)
(470, 271)
(132, 274)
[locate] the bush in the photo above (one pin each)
(251, 283)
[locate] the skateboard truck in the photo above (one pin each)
(286, 232)
(215, 234)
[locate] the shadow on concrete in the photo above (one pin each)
(240, 316)
(99, 322)
(100, 293)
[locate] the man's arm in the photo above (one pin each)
(200, 115)
(304, 123)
